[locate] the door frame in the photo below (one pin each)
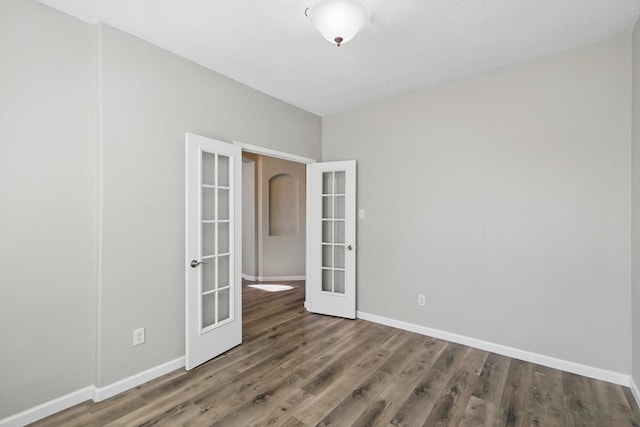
(256, 149)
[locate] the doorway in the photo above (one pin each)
(274, 204)
(273, 218)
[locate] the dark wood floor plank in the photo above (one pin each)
(415, 410)
(580, 405)
(174, 417)
(351, 407)
(331, 396)
(474, 361)
(281, 412)
(631, 401)
(293, 422)
(452, 400)
(362, 343)
(479, 412)
(297, 369)
(402, 353)
(492, 378)
(381, 411)
(612, 404)
(546, 405)
(515, 409)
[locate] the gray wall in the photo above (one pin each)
(47, 205)
(635, 217)
(93, 212)
(504, 198)
(151, 98)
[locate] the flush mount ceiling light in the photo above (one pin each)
(338, 20)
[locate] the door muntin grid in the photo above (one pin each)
(333, 232)
(216, 282)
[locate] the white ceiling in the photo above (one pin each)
(271, 46)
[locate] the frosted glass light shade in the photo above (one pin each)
(339, 20)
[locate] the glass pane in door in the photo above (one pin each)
(208, 168)
(223, 238)
(223, 204)
(339, 186)
(327, 207)
(208, 239)
(339, 202)
(338, 231)
(223, 272)
(208, 204)
(338, 281)
(208, 310)
(327, 183)
(327, 282)
(327, 231)
(223, 304)
(338, 252)
(327, 256)
(208, 274)
(223, 171)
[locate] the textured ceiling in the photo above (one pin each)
(408, 44)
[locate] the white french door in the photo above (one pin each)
(213, 248)
(331, 238)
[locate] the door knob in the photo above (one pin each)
(195, 263)
(350, 247)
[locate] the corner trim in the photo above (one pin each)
(48, 408)
(551, 362)
(634, 390)
(102, 393)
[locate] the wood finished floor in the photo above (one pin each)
(301, 369)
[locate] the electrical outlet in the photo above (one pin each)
(138, 336)
(422, 300)
(361, 214)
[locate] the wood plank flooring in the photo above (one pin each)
(301, 369)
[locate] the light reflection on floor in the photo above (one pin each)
(272, 287)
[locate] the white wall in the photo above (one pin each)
(635, 236)
(47, 204)
(505, 199)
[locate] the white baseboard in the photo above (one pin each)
(272, 278)
(551, 362)
(102, 393)
(48, 408)
(634, 390)
(92, 392)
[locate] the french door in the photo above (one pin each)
(213, 248)
(331, 238)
